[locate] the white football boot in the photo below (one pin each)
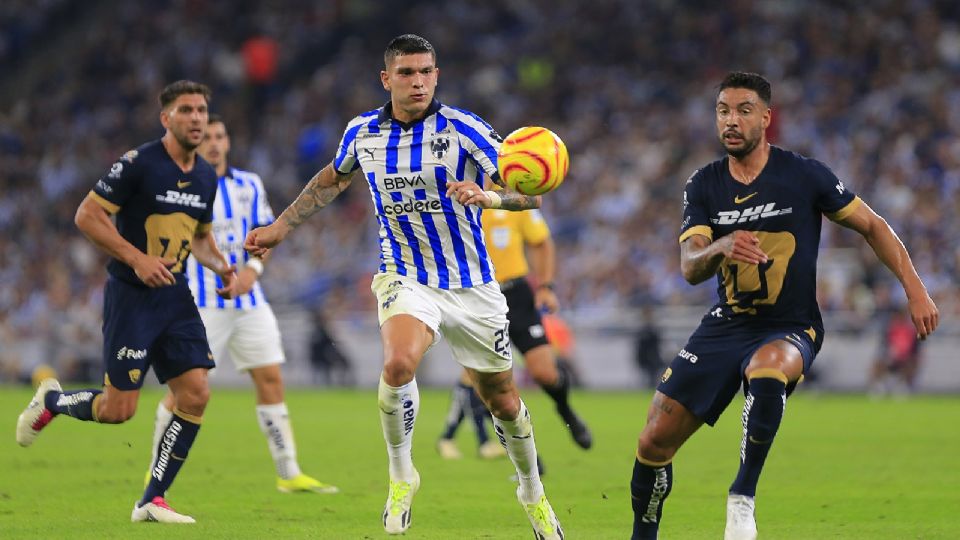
(741, 523)
(36, 416)
(159, 511)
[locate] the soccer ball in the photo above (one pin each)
(533, 160)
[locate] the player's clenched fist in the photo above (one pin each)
(261, 239)
(743, 246)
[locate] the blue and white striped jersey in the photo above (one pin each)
(423, 233)
(241, 205)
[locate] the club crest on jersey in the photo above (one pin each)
(729, 217)
(439, 146)
(184, 199)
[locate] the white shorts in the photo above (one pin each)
(473, 320)
(251, 335)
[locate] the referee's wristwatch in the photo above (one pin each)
(545, 285)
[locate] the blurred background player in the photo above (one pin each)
(245, 325)
(422, 162)
(898, 356)
(508, 234)
(162, 196)
(753, 220)
(648, 343)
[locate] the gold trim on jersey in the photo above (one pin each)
(204, 228)
(169, 235)
(704, 230)
(845, 212)
(107, 205)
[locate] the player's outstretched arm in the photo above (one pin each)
(319, 192)
(700, 258)
(204, 249)
(468, 192)
(94, 222)
(891, 251)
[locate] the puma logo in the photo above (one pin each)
(741, 200)
(369, 152)
(182, 184)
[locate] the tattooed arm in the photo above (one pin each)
(700, 258)
(319, 191)
(512, 200)
(470, 193)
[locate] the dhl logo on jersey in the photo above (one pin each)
(729, 217)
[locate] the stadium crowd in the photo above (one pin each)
(872, 89)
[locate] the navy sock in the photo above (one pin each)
(75, 403)
(171, 453)
(479, 414)
(458, 402)
(648, 489)
(559, 392)
(762, 413)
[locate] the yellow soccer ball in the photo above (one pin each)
(533, 160)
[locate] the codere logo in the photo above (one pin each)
(729, 217)
(409, 207)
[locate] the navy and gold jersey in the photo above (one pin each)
(783, 206)
(158, 207)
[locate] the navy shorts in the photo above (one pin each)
(708, 371)
(145, 327)
(526, 326)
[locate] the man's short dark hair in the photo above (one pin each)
(214, 118)
(750, 81)
(407, 44)
(179, 88)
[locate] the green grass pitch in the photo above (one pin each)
(842, 467)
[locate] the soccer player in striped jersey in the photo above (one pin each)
(161, 196)
(424, 163)
(244, 325)
(753, 220)
(510, 236)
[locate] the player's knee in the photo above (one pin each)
(398, 369)
(654, 448)
(503, 407)
(541, 366)
(193, 400)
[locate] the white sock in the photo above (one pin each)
(398, 412)
(160, 422)
(517, 437)
(274, 422)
